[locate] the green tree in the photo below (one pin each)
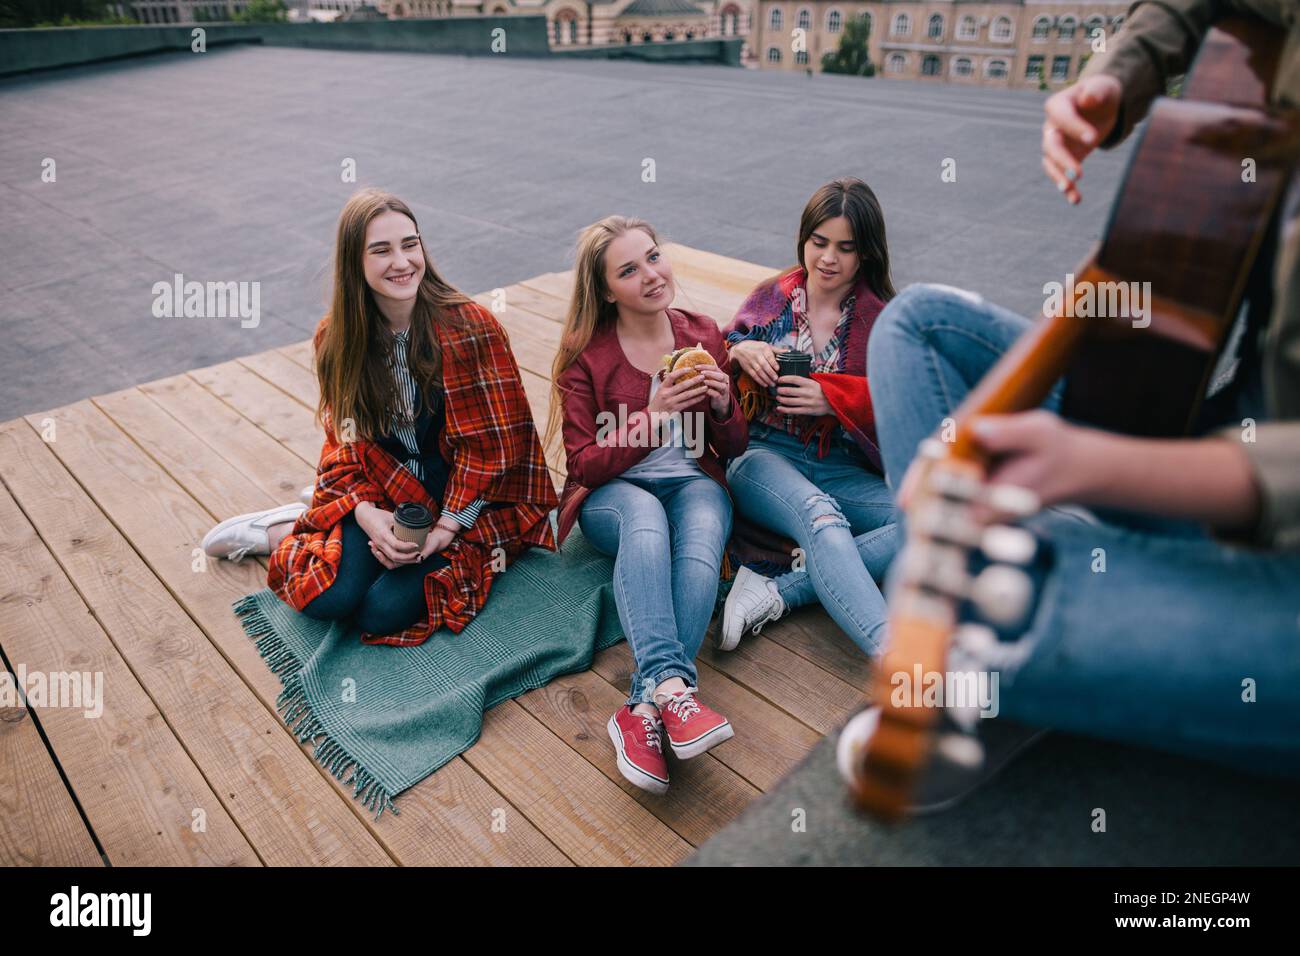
(851, 57)
(31, 13)
(263, 11)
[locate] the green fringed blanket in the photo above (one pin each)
(383, 718)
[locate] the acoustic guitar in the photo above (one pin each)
(1191, 215)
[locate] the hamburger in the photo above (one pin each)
(692, 357)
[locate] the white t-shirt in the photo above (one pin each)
(671, 459)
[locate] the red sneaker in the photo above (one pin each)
(638, 741)
(693, 728)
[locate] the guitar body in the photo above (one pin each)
(1184, 232)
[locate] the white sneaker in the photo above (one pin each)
(307, 494)
(247, 534)
(752, 601)
(960, 763)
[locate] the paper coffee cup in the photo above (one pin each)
(411, 522)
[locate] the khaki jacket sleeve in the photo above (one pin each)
(1158, 41)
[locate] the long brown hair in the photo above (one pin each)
(352, 357)
(854, 200)
(588, 307)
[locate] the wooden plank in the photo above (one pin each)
(300, 352)
(255, 455)
(533, 341)
(582, 811)
(138, 787)
(273, 790)
(768, 742)
(452, 816)
(290, 423)
(545, 307)
(812, 634)
(719, 270)
(285, 374)
(792, 683)
(557, 285)
(704, 795)
(39, 823)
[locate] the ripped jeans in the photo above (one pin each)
(837, 510)
(667, 536)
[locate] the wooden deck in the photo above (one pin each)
(103, 507)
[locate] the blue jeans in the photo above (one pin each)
(1182, 643)
(667, 536)
(383, 601)
(839, 513)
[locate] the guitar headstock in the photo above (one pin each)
(962, 580)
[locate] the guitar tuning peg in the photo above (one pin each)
(1012, 500)
(1007, 545)
(955, 487)
(960, 749)
(1002, 594)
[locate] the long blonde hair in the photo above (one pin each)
(588, 307)
(352, 356)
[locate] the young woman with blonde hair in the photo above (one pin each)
(653, 497)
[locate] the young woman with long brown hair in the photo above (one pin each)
(423, 410)
(655, 499)
(812, 472)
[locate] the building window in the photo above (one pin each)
(930, 65)
(1060, 67)
(1042, 27)
(902, 25)
(866, 18)
(961, 67)
(834, 20)
(1001, 29)
(996, 69)
(801, 58)
(1034, 68)
(935, 28)
(775, 21)
(627, 36)
(896, 63)
(804, 20)
(774, 54)
(1065, 29)
(968, 29)
(647, 38)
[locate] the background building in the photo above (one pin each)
(587, 22)
(1016, 43)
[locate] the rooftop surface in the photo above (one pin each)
(227, 166)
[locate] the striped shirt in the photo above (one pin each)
(408, 390)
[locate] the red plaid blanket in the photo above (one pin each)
(492, 443)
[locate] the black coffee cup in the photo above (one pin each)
(794, 363)
(411, 522)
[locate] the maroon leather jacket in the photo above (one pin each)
(601, 379)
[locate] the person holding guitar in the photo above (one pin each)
(1169, 612)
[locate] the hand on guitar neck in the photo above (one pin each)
(1206, 480)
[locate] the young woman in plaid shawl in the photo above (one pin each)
(421, 401)
(653, 497)
(811, 478)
